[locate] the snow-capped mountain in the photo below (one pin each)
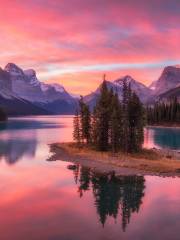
(25, 85)
(140, 89)
(5, 81)
(11, 102)
(17, 106)
(169, 95)
(76, 96)
(22, 93)
(169, 79)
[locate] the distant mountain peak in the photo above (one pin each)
(117, 85)
(10, 65)
(13, 69)
(171, 70)
(126, 78)
(169, 79)
(24, 84)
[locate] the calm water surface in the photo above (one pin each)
(53, 200)
(160, 137)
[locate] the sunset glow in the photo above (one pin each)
(74, 42)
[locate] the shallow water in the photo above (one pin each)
(56, 200)
(161, 137)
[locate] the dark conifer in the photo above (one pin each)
(164, 113)
(136, 124)
(115, 124)
(94, 128)
(103, 118)
(85, 119)
(125, 117)
(76, 129)
(3, 116)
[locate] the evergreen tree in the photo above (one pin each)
(115, 124)
(85, 119)
(76, 129)
(136, 124)
(94, 128)
(103, 118)
(162, 113)
(125, 117)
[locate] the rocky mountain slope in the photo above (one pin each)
(17, 106)
(167, 84)
(24, 84)
(140, 89)
(169, 79)
(170, 94)
(22, 93)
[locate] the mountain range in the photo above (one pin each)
(142, 91)
(21, 93)
(164, 88)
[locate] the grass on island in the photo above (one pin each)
(152, 161)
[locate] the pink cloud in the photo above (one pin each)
(38, 34)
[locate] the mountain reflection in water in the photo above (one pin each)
(20, 137)
(45, 200)
(113, 195)
(15, 148)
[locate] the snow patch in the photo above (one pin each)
(44, 87)
(31, 75)
(76, 96)
(29, 72)
(58, 87)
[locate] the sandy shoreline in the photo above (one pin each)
(121, 165)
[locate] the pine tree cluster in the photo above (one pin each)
(113, 125)
(164, 113)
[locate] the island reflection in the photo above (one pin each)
(113, 195)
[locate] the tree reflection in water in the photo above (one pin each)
(112, 194)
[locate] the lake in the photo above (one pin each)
(54, 200)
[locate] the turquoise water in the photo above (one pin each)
(159, 137)
(58, 200)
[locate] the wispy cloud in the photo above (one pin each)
(66, 39)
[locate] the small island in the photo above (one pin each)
(151, 162)
(111, 136)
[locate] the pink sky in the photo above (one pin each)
(74, 42)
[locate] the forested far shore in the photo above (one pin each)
(164, 113)
(3, 115)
